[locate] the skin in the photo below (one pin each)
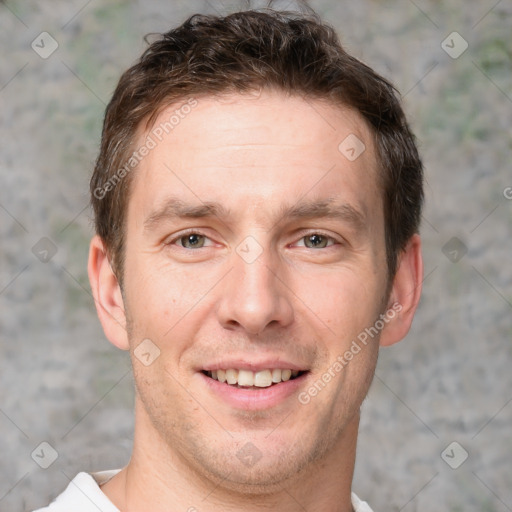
(253, 153)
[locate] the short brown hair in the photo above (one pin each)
(250, 50)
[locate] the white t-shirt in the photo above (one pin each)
(83, 494)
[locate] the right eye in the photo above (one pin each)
(191, 239)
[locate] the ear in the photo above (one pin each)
(107, 295)
(405, 293)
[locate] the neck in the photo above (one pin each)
(157, 476)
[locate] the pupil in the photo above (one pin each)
(315, 240)
(193, 239)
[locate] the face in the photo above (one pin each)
(254, 245)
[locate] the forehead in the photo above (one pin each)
(253, 151)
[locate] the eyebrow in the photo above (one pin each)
(175, 208)
(324, 209)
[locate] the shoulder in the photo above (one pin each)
(83, 494)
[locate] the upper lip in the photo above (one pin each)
(252, 365)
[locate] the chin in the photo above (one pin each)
(265, 480)
(243, 469)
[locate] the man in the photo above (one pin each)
(257, 199)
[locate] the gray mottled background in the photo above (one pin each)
(62, 383)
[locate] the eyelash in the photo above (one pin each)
(193, 231)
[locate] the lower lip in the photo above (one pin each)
(254, 399)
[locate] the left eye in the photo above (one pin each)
(317, 240)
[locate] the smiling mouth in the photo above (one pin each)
(246, 379)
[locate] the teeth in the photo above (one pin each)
(263, 379)
(247, 378)
(231, 376)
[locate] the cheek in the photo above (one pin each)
(163, 305)
(345, 300)
(160, 290)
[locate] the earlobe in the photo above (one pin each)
(107, 295)
(405, 293)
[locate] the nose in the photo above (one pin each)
(255, 295)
